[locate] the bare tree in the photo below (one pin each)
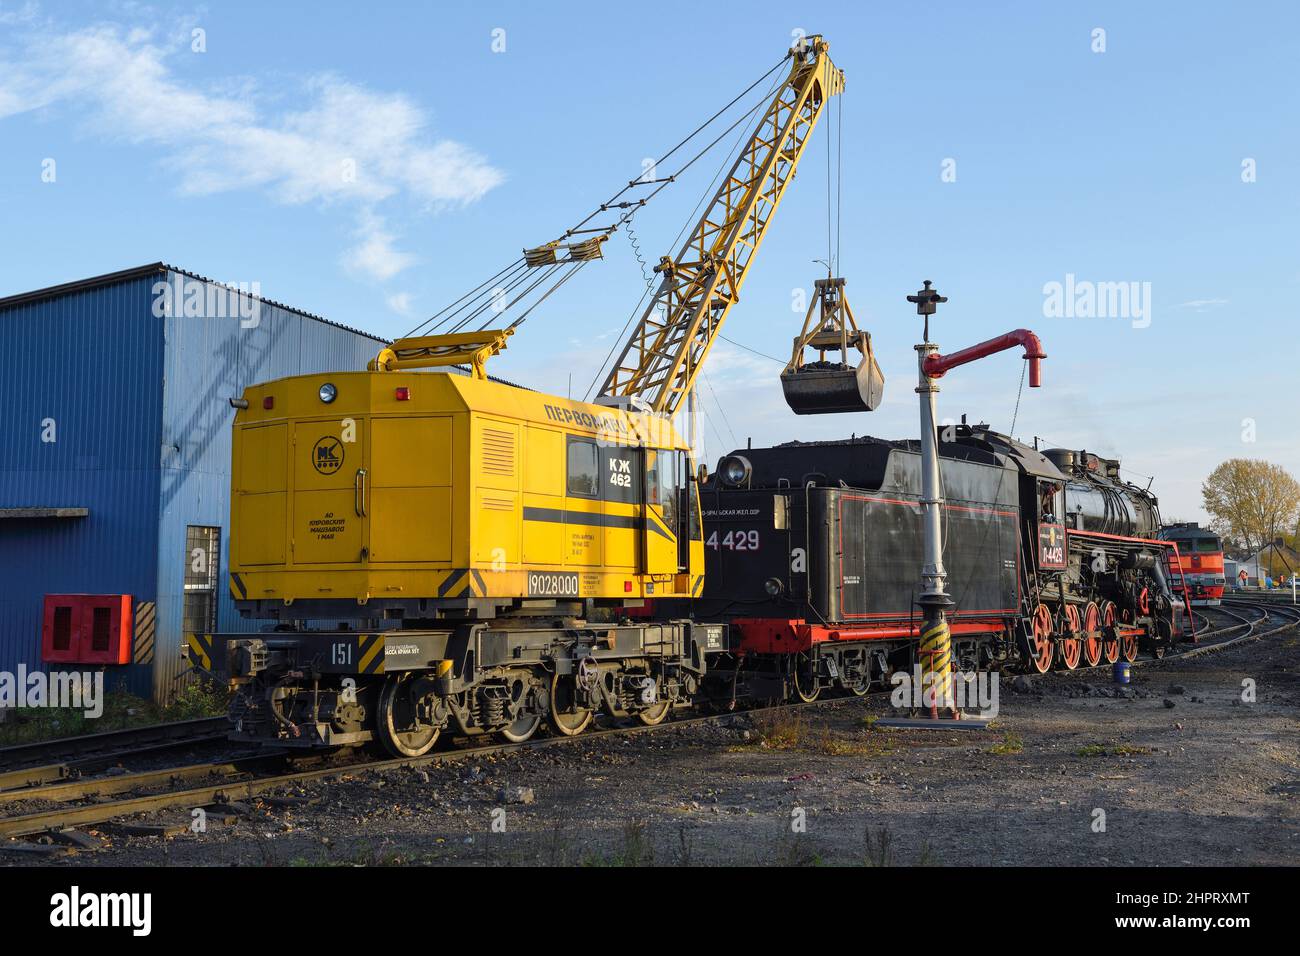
(1255, 502)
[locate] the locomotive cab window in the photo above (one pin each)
(583, 469)
(1050, 502)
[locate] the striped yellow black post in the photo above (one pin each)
(198, 647)
(935, 654)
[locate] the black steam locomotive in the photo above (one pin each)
(814, 549)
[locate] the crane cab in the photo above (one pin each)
(431, 496)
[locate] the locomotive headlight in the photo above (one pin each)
(773, 587)
(328, 393)
(734, 470)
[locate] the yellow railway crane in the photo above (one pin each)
(467, 532)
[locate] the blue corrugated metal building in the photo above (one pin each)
(115, 450)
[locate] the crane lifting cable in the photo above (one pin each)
(493, 296)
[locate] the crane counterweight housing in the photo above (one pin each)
(426, 495)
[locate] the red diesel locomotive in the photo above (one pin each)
(1200, 559)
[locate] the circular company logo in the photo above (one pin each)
(327, 456)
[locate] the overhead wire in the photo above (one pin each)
(721, 409)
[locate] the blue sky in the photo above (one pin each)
(1117, 166)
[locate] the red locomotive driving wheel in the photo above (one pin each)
(1129, 645)
(1041, 647)
(1071, 650)
(1092, 634)
(1109, 639)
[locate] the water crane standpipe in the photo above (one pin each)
(934, 650)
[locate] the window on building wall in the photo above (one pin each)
(202, 557)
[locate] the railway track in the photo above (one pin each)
(238, 782)
(248, 776)
(1287, 616)
(31, 764)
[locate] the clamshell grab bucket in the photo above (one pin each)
(832, 385)
(817, 390)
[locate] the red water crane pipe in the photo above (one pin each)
(936, 365)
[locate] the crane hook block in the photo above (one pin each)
(832, 385)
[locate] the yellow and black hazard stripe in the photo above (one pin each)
(198, 647)
(935, 653)
(370, 654)
(237, 587)
(462, 582)
(143, 632)
(697, 585)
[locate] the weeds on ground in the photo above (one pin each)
(1011, 744)
(199, 698)
(122, 711)
(878, 849)
(780, 730)
(793, 731)
(1116, 750)
(637, 850)
(791, 851)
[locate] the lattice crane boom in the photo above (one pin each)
(697, 289)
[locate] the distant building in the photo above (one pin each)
(115, 462)
(1257, 565)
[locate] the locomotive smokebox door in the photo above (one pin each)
(832, 385)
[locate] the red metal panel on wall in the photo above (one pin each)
(87, 629)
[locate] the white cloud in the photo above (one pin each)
(400, 302)
(11, 14)
(374, 256)
(1201, 305)
(347, 145)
